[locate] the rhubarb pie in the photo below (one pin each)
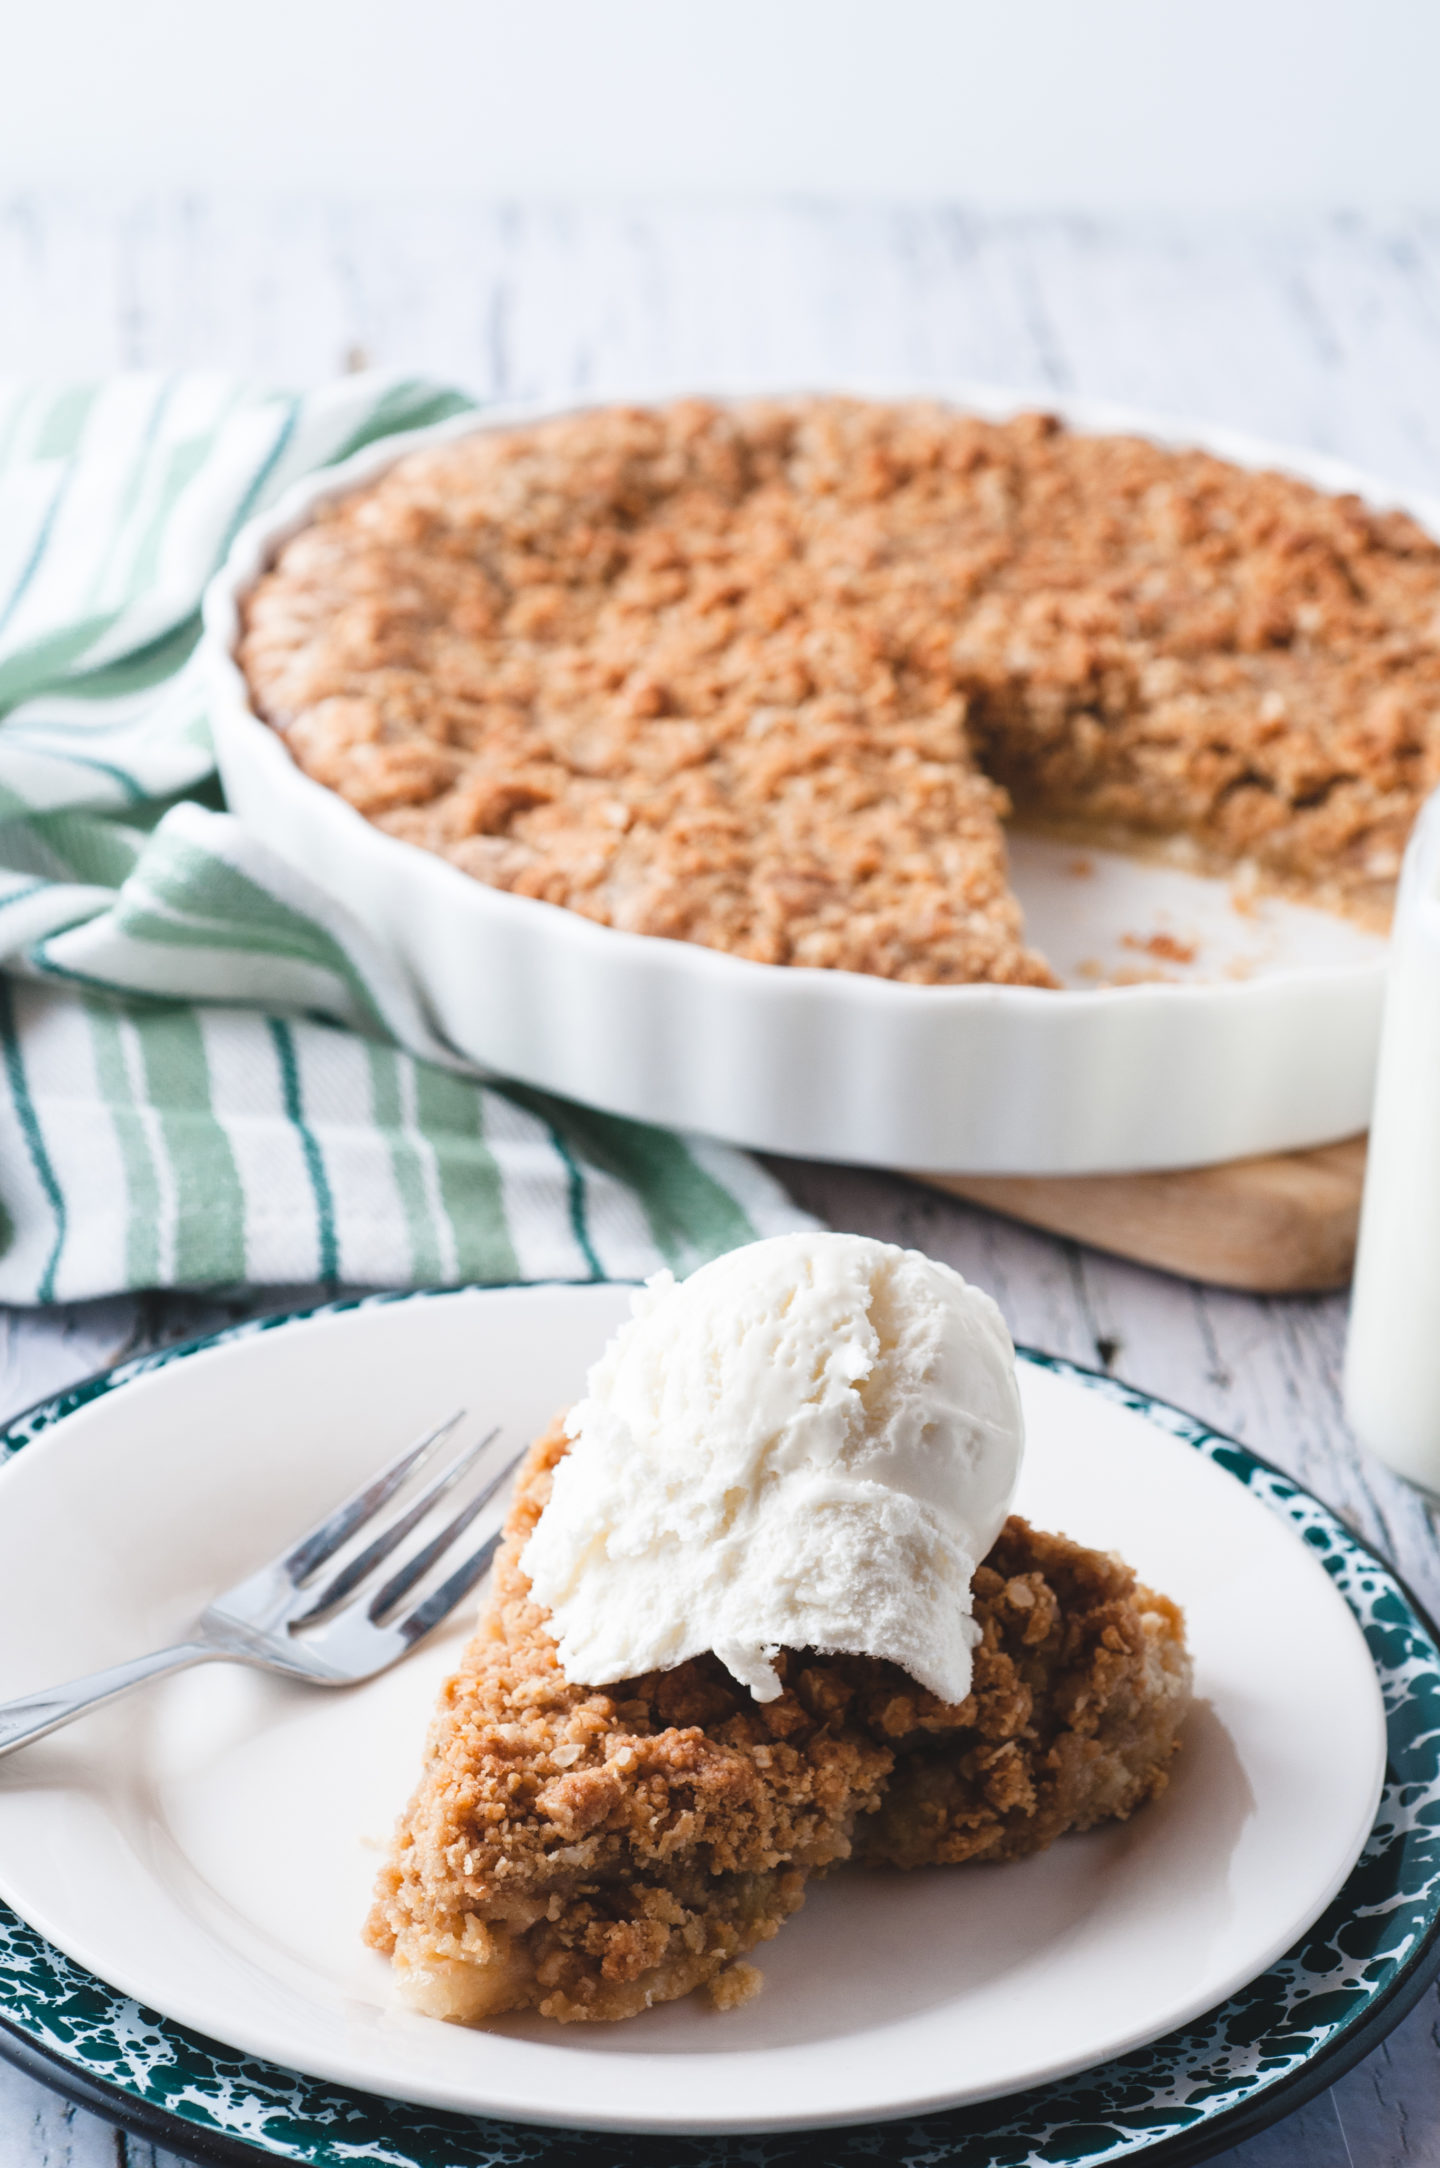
(771, 676)
(587, 1852)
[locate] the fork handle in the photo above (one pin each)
(33, 1715)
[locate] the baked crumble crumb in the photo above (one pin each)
(736, 1985)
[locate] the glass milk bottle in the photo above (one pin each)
(1392, 1362)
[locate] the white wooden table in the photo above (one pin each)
(1326, 334)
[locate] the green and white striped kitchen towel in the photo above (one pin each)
(211, 1075)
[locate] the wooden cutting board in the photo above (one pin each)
(1282, 1225)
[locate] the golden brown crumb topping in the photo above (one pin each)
(1081, 1679)
(725, 673)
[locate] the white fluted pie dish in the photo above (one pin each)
(1248, 1027)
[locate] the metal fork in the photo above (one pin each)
(345, 1631)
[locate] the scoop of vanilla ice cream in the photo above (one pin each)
(810, 1443)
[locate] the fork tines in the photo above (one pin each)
(359, 1569)
(358, 1573)
(418, 1565)
(328, 1536)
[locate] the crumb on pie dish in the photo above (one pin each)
(770, 676)
(586, 1842)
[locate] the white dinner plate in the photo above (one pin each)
(208, 1846)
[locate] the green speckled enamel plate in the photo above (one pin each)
(1208, 2083)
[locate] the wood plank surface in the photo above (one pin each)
(1281, 1225)
(1322, 333)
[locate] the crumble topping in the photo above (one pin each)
(769, 676)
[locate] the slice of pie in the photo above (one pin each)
(589, 1852)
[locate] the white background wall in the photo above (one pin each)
(1088, 105)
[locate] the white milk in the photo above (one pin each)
(1392, 1362)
